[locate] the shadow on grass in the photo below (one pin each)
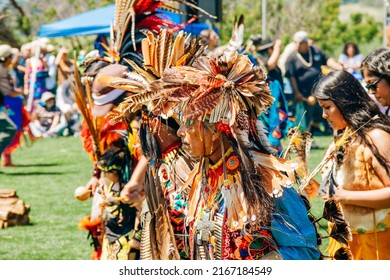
(32, 173)
(318, 149)
(30, 224)
(37, 165)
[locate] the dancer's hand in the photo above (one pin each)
(340, 195)
(132, 193)
(92, 184)
(299, 97)
(312, 188)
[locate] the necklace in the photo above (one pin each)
(307, 64)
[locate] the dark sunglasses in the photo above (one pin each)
(373, 86)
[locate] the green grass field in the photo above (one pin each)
(45, 177)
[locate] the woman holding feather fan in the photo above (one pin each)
(359, 162)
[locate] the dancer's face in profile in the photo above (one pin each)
(377, 86)
(198, 140)
(332, 114)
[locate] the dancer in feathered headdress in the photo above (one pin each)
(164, 233)
(98, 136)
(239, 193)
(132, 20)
(158, 54)
(241, 204)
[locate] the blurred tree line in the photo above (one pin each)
(372, 2)
(20, 20)
(319, 18)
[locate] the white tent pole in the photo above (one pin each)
(33, 76)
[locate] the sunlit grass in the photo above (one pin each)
(45, 177)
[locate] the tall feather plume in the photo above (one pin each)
(300, 143)
(178, 48)
(135, 15)
(238, 33)
(235, 43)
(124, 13)
(162, 53)
(84, 102)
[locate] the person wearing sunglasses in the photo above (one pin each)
(376, 73)
(373, 86)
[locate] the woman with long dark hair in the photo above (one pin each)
(362, 164)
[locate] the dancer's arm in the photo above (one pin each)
(133, 191)
(377, 199)
(380, 198)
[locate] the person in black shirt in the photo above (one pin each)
(268, 52)
(303, 69)
(265, 53)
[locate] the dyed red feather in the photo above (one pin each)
(142, 6)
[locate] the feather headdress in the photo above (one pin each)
(220, 87)
(82, 96)
(133, 18)
(225, 86)
(145, 82)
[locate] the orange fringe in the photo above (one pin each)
(85, 223)
(107, 136)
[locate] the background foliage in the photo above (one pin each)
(319, 18)
(20, 21)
